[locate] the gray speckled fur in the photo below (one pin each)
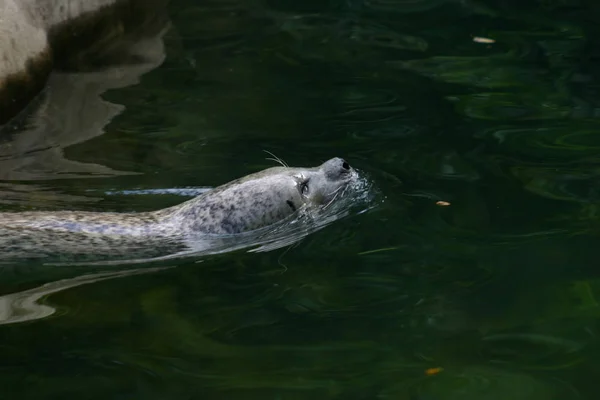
(243, 205)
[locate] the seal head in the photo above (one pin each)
(320, 185)
(263, 198)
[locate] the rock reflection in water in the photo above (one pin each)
(72, 111)
(25, 306)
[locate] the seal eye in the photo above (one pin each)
(304, 188)
(345, 165)
(302, 184)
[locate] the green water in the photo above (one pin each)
(500, 289)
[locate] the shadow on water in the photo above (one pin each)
(474, 278)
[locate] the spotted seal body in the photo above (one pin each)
(243, 205)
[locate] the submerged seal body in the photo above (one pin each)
(243, 205)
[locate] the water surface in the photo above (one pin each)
(488, 106)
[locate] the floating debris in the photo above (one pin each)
(433, 371)
(479, 39)
(442, 203)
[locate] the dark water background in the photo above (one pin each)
(492, 297)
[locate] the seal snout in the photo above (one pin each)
(337, 168)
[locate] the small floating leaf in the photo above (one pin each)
(433, 371)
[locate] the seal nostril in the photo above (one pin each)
(345, 165)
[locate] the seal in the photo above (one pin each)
(243, 205)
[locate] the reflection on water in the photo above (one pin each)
(492, 296)
(25, 306)
(72, 111)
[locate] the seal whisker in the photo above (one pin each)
(336, 193)
(276, 159)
